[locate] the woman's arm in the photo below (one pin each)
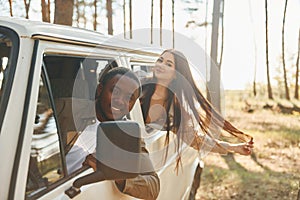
(240, 148)
(221, 147)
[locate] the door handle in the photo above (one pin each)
(72, 192)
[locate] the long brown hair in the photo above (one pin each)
(183, 91)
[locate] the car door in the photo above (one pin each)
(64, 108)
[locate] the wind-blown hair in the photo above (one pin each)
(182, 98)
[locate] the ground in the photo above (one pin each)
(271, 172)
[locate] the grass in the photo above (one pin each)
(271, 172)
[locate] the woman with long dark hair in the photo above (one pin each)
(172, 100)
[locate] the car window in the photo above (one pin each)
(45, 165)
(142, 70)
(73, 83)
(65, 108)
(9, 48)
(5, 49)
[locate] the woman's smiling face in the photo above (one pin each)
(164, 69)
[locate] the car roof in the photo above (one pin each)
(54, 32)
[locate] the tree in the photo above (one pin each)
(222, 35)
(151, 23)
(130, 19)
(270, 95)
(160, 21)
(64, 12)
(287, 95)
(205, 45)
(173, 27)
(255, 50)
(109, 16)
(10, 8)
(45, 10)
(297, 73)
(95, 15)
(27, 5)
(213, 93)
(124, 16)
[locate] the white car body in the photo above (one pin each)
(33, 42)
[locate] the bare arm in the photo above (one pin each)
(221, 147)
(240, 148)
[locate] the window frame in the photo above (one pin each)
(41, 191)
(45, 76)
(12, 62)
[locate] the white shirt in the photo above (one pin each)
(84, 145)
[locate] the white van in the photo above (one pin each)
(41, 63)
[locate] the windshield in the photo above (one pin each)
(9, 45)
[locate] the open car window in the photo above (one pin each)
(9, 49)
(65, 108)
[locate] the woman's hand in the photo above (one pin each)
(242, 148)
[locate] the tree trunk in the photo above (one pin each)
(205, 48)
(213, 94)
(297, 70)
(64, 12)
(287, 94)
(130, 19)
(270, 95)
(95, 15)
(49, 9)
(222, 35)
(255, 49)
(124, 17)
(160, 21)
(109, 17)
(45, 11)
(151, 25)
(10, 8)
(173, 26)
(27, 5)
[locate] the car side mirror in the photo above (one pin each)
(118, 150)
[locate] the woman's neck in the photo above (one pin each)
(160, 92)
